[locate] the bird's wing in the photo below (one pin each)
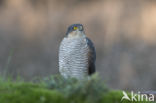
(91, 56)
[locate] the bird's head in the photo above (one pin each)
(75, 30)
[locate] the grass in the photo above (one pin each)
(56, 89)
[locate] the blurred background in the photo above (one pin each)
(123, 32)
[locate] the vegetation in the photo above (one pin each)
(58, 90)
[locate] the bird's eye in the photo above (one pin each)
(75, 28)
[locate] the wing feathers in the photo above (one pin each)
(91, 57)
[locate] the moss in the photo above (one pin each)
(59, 90)
(29, 93)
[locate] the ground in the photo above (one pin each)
(55, 89)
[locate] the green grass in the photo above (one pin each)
(59, 90)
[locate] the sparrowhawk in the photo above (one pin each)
(76, 53)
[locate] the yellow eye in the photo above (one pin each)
(75, 28)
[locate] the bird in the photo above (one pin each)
(77, 54)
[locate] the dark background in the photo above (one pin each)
(123, 32)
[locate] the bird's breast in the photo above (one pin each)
(73, 56)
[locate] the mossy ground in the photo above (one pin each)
(59, 90)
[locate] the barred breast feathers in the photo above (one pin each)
(73, 57)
